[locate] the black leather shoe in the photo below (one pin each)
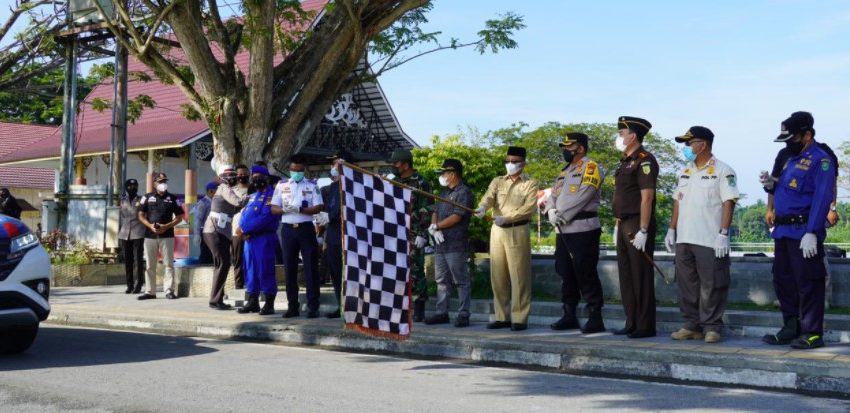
(291, 313)
(313, 314)
(170, 296)
(146, 297)
(333, 314)
(641, 334)
(498, 324)
(565, 323)
(221, 306)
(623, 331)
(437, 319)
(137, 290)
(128, 290)
(418, 311)
(518, 326)
(462, 322)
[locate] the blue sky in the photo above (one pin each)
(737, 67)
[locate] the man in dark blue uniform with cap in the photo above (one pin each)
(802, 197)
(258, 226)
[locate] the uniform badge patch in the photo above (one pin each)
(573, 188)
(646, 168)
(730, 179)
(711, 170)
(824, 164)
(793, 183)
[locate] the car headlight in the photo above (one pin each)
(21, 244)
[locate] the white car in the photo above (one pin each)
(25, 275)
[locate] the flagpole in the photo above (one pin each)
(416, 190)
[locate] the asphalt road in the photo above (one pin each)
(84, 370)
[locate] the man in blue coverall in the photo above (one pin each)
(259, 229)
(802, 198)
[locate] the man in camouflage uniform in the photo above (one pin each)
(420, 220)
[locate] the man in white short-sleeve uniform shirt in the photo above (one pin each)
(298, 199)
(703, 204)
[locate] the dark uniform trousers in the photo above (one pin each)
(333, 258)
(576, 258)
(205, 257)
(220, 246)
(134, 258)
(294, 240)
(800, 284)
(238, 249)
(637, 278)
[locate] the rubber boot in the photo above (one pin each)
(568, 321)
(252, 305)
(594, 322)
(418, 311)
(268, 307)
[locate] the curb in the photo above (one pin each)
(821, 374)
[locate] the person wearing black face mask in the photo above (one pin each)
(258, 227)
(243, 189)
(803, 194)
(572, 209)
(218, 233)
(131, 236)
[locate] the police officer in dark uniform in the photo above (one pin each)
(160, 213)
(131, 236)
(634, 208)
(572, 209)
(802, 195)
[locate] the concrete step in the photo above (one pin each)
(668, 319)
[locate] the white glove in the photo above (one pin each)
(766, 180)
(721, 246)
(480, 212)
(499, 220)
(809, 245)
(640, 241)
(321, 219)
(390, 176)
(670, 240)
(420, 242)
(290, 209)
(432, 229)
(554, 219)
(439, 238)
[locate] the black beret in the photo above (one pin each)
(574, 137)
(516, 151)
(639, 126)
(696, 132)
(798, 122)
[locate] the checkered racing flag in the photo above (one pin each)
(375, 221)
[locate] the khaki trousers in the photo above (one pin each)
(510, 272)
(164, 246)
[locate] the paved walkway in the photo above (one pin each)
(736, 361)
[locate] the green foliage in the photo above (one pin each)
(480, 166)
(498, 33)
(748, 223)
(137, 105)
(39, 100)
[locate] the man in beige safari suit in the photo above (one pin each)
(513, 198)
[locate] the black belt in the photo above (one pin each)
(628, 216)
(514, 224)
(300, 224)
(585, 215)
(791, 219)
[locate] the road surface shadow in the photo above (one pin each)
(74, 347)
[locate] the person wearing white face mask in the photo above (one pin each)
(159, 212)
(450, 230)
(634, 209)
(513, 198)
(699, 235)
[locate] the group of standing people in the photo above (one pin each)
(248, 208)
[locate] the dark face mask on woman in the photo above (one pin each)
(568, 155)
(795, 147)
